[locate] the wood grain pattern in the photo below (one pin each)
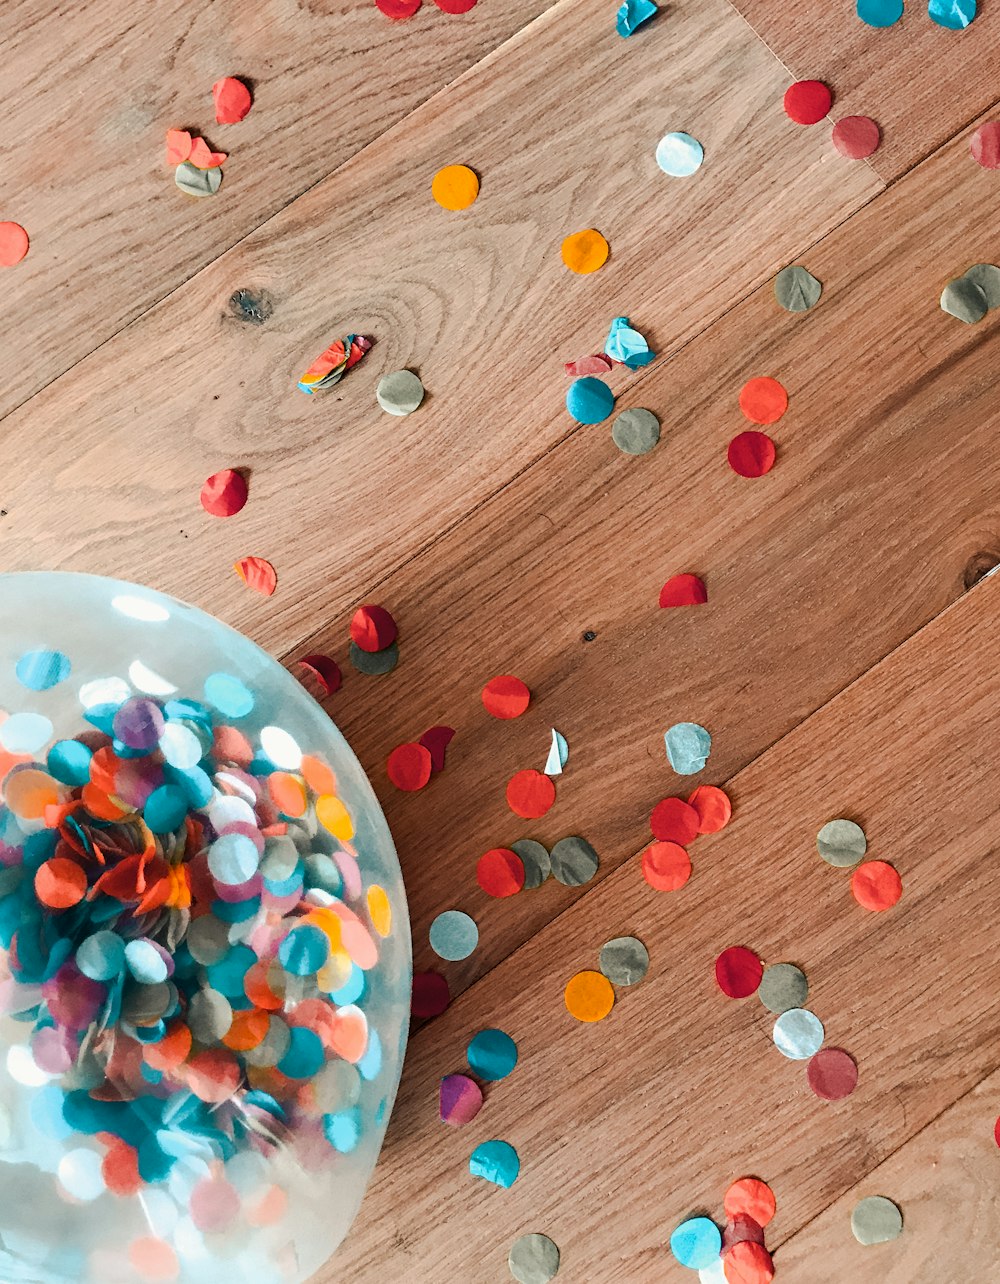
(82, 147)
(921, 82)
(479, 303)
(625, 1128)
(881, 510)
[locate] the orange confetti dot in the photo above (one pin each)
(585, 252)
(213, 1075)
(455, 187)
(171, 1051)
(379, 910)
(271, 1208)
(748, 1263)
(257, 990)
(13, 244)
(178, 146)
(530, 794)
(29, 793)
(334, 816)
(120, 1169)
(288, 793)
(590, 996)
(60, 883)
(247, 1030)
(763, 400)
(232, 100)
(876, 885)
(666, 866)
(506, 696)
(154, 1258)
(713, 807)
(750, 1197)
(318, 776)
(258, 574)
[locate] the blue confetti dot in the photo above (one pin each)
(101, 956)
(352, 990)
(880, 13)
(102, 716)
(492, 1055)
(40, 670)
(679, 155)
(496, 1161)
(343, 1130)
(589, 400)
(688, 747)
(305, 1055)
(233, 859)
(304, 950)
(229, 695)
(145, 962)
(371, 1063)
(953, 14)
(696, 1243)
(165, 809)
(69, 762)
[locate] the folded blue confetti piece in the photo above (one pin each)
(953, 14)
(633, 14)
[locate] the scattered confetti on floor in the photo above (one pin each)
(399, 393)
(985, 145)
(454, 935)
(782, 987)
(589, 401)
(257, 574)
(696, 1243)
(534, 1259)
(436, 741)
(679, 155)
(460, 1099)
(431, 995)
(798, 1034)
(193, 181)
(558, 755)
(13, 244)
(589, 996)
(585, 252)
(506, 696)
(455, 187)
(807, 102)
(841, 843)
(373, 663)
(880, 13)
(666, 867)
(636, 431)
(224, 493)
(751, 454)
(856, 137)
(409, 767)
(232, 100)
(373, 628)
(832, 1074)
(953, 14)
(530, 793)
(965, 299)
(738, 972)
(796, 289)
(713, 806)
(500, 872)
(876, 1220)
(573, 861)
(496, 1162)
(626, 346)
(331, 365)
(750, 1197)
(876, 885)
(763, 400)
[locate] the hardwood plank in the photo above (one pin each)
(944, 1182)
(479, 303)
(82, 149)
(625, 1128)
(894, 75)
(881, 510)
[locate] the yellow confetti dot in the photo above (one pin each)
(380, 910)
(590, 996)
(334, 816)
(585, 251)
(455, 187)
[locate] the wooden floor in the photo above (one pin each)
(843, 662)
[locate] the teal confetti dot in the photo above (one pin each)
(229, 695)
(880, 13)
(688, 747)
(454, 935)
(696, 1243)
(69, 762)
(492, 1055)
(343, 1130)
(304, 950)
(496, 1161)
(236, 911)
(101, 956)
(589, 401)
(40, 670)
(227, 975)
(953, 14)
(165, 809)
(305, 1055)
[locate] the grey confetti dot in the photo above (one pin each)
(624, 960)
(574, 861)
(374, 663)
(272, 1047)
(964, 299)
(782, 987)
(207, 939)
(534, 1259)
(145, 1004)
(197, 182)
(209, 1015)
(987, 277)
(841, 843)
(399, 393)
(635, 432)
(796, 289)
(876, 1220)
(535, 859)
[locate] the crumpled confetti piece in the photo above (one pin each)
(202, 156)
(625, 344)
(684, 590)
(495, 1161)
(598, 364)
(224, 493)
(179, 143)
(331, 366)
(258, 574)
(558, 755)
(232, 100)
(633, 14)
(325, 670)
(436, 740)
(197, 182)
(688, 747)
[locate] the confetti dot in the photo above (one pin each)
(683, 590)
(436, 741)
(635, 432)
(409, 767)
(679, 155)
(154, 1258)
(589, 996)
(193, 181)
(996, 1132)
(304, 950)
(455, 6)
(807, 102)
(782, 987)
(589, 400)
(535, 859)
(255, 572)
(856, 137)
(763, 400)
(573, 861)
(696, 1243)
(880, 13)
(748, 1263)
(324, 671)
(373, 628)
(398, 9)
(750, 1197)
(533, 1259)
(373, 664)
(506, 696)
(530, 794)
(798, 1034)
(492, 1055)
(25, 733)
(585, 252)
(953, 14)
(876, 1220)
(688, 747)
(666, 866)
(495, 1161)
(224, 493)
(841, 843)
(232, 100)
(674, 821)
(500, 873)
(399, 393)
(454, 935)
(751, 454)
(455, 187)
(430, 996)
(832, 1074)
(796, 289)
(713, 807)
(738, 972)
(876, 885)
(13, 244)
(60, 883)
(624, 960)
(985, 145)
(42, 670)
(964, 299)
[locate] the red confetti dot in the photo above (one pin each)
(530, 794)
(60, 883)
(436, 741)
(397, 9)
(120, 1169)
(232, 100)
(13, 244)
(748, 1263)
(257, 574)
(985, 145)
(856, 137)
(751, 454)
(713, 807)
(373, 628)
(409, 767)
(876, 885)
(683, 590)
(430, 994)
(455, 6)
(506, 697)
(324, 670)
(996, 1132)
(500, 872)
(832, 1074)
(807, 101)
(763, 400)
(224, 493)
(738, 972)
(666, 866)
(673, 821)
